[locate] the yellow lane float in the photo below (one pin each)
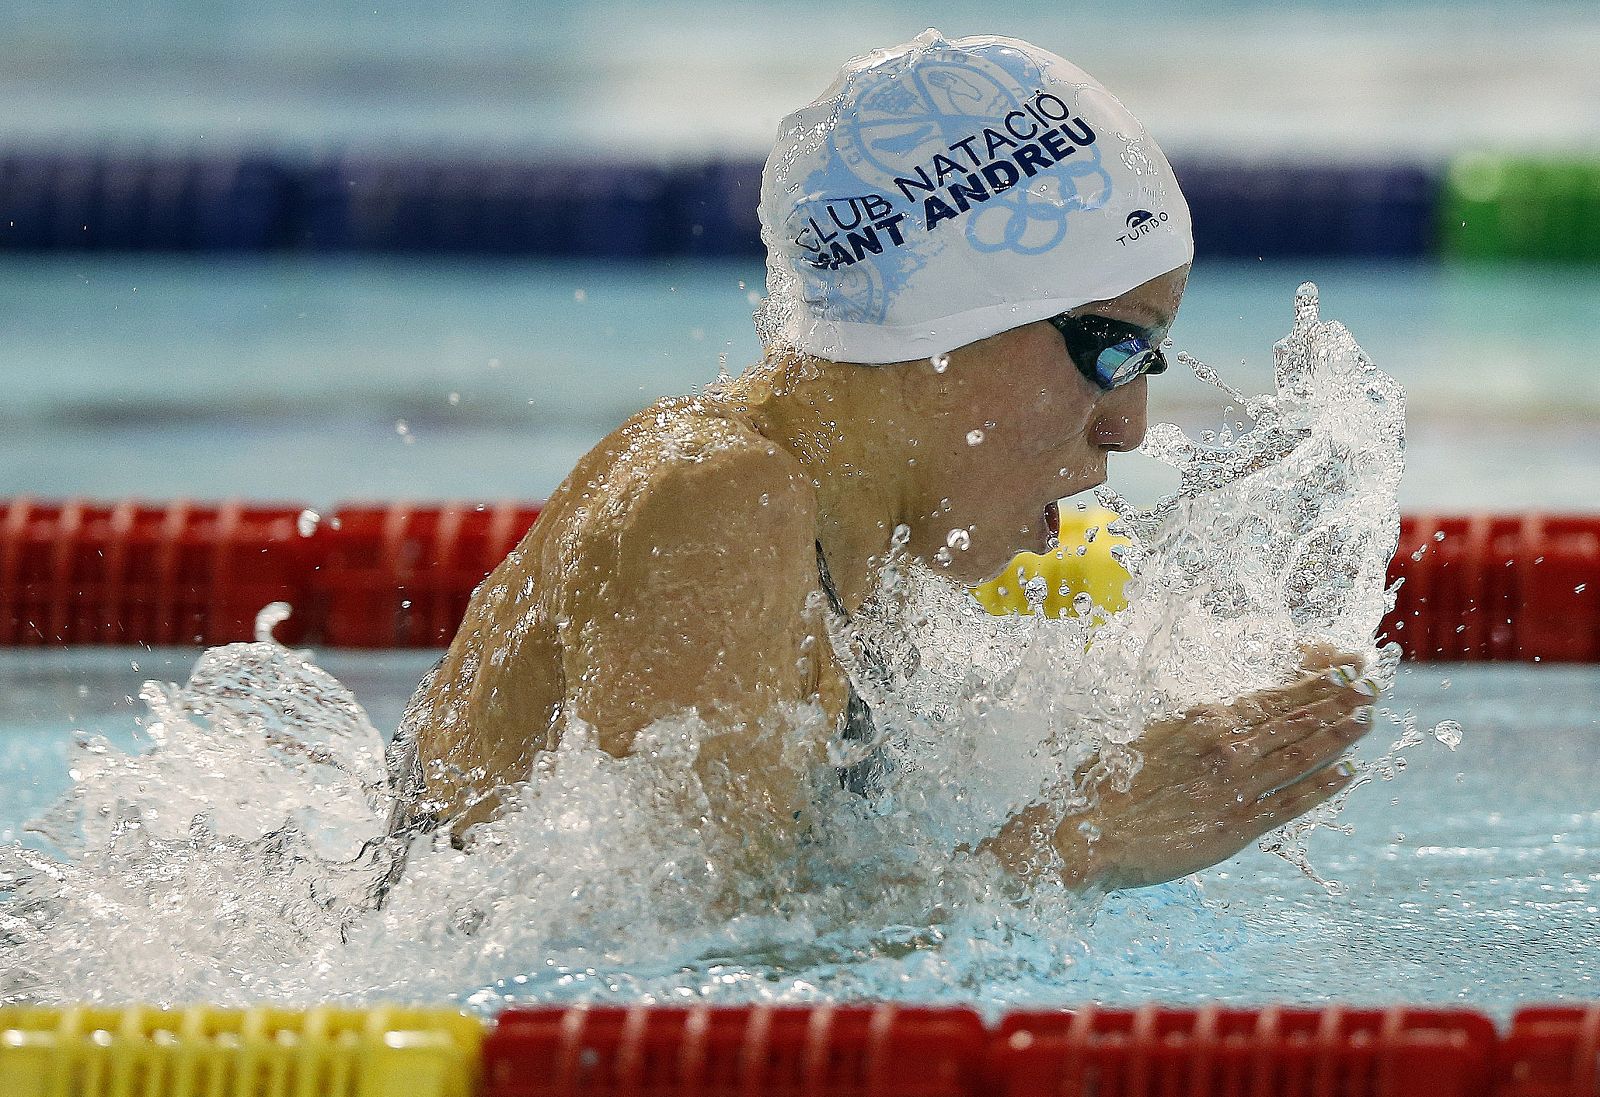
(1082, 564)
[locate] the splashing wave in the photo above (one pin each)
(236, 859)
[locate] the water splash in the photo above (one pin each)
(238, 855)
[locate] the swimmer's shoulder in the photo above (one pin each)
(695, 473)
(694, 591)
(688, 458)
(682, 480)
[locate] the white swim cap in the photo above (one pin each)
(941, 192)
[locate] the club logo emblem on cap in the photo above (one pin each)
(957, 143)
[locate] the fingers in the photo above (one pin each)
(1264, 727)
(1340, 679)
(1308, 753)
(1297, 798)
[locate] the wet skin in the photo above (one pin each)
(675, 569)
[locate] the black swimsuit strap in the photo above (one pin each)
(834, 601)
(865, 778)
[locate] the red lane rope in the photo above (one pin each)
(889, 1050)
(1476, 587)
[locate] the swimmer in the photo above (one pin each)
(974, 255)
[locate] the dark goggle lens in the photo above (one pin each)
(1110, 352)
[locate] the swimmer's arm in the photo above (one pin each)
(1212, 782)
(699, 603)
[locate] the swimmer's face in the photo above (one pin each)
(1026, 428)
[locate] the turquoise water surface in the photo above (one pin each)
(328, 381)
(1472, 877)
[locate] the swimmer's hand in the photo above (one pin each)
(1213, 781)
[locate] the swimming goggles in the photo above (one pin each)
(1110, 352)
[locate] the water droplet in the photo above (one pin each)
(1420, 553)
(455, 398)
(943, 557)
(271, 616)
(765, 499)
(1082, 603)
(307, 521)
(1580, 588)
(1448, 732)
(940, 362)
(959, 539)
(974, 437)
(1438, 535)
(580, 295)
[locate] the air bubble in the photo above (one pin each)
(306, 522)
(940, 362)
(974, 437)
(959, 539)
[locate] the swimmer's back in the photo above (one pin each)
(685, 513)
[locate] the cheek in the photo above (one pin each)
(1055, 418)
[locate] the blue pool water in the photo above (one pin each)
(283, 379)
(1472, 877)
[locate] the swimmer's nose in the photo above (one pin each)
(1121, 417)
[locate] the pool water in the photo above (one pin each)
(347, 380)
(1472, 876)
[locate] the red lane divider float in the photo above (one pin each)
(775, 1051)
(400, 576)
(1498, 587)
(1481, 587)
(1551, 1051)
(139, 573)
(1216, 1052)
(891, 1051)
